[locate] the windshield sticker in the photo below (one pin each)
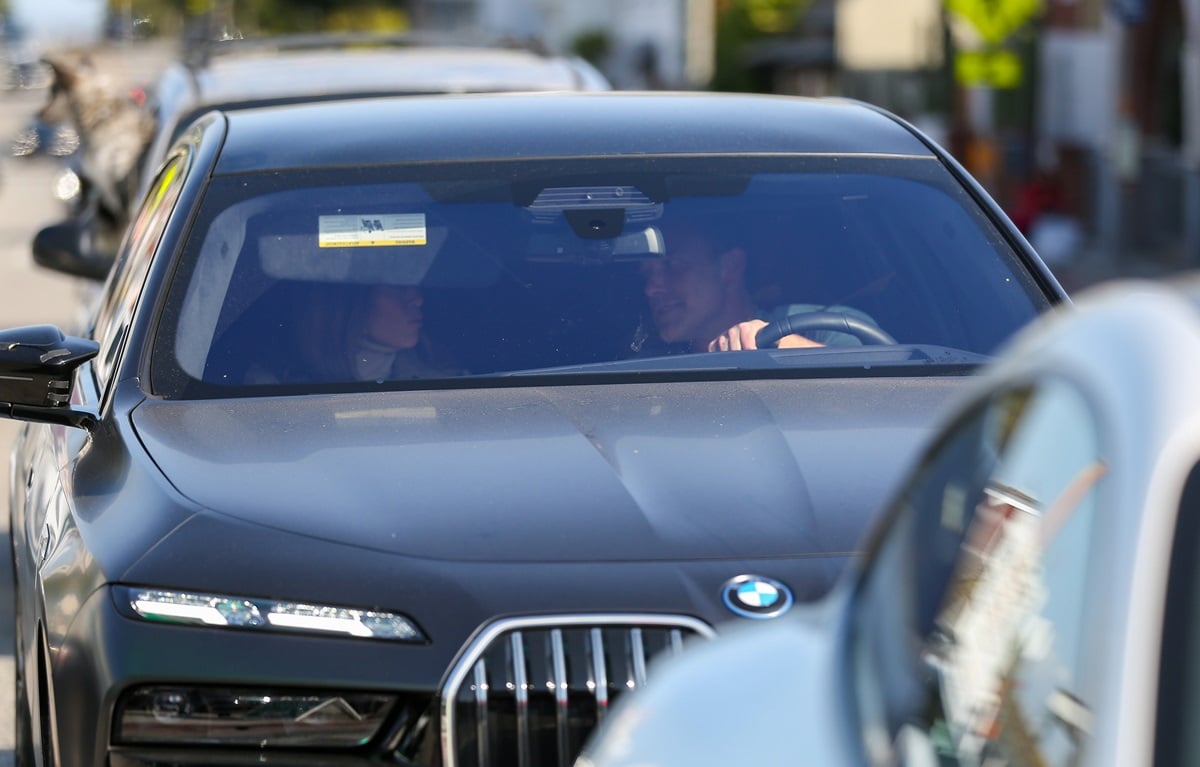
(371, 230)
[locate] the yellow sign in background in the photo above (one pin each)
(995, 21)
(998, 68)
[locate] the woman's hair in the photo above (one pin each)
(331, 332)
(331, 318)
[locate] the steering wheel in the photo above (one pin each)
(769, 336)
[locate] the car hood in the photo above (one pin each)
(714, 470)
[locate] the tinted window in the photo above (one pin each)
(129, 271)
(490, 270)
(986, 657)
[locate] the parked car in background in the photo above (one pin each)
(389, 441)
(250, 73)
(1028, 599)
(242, 74)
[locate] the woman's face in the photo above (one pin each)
(395, 316)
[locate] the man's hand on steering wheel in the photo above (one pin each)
(744, 336)
(868, 333)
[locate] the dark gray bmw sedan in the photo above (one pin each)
(409, 430)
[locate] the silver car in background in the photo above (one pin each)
(250, 73)
(240, 74)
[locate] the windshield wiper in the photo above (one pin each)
(844, 357)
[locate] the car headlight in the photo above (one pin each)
(198, 609)
(183, 715)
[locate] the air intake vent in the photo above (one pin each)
(527, 692)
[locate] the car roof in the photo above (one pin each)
(435, 69)
(530, 125)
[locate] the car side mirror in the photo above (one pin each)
(37, 364)
(61, 247)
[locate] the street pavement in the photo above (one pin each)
(32, 295)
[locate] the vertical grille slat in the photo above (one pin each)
(481, 712)
(561, 712)
(528, 691)
(676, 639)
(521, 683)
(600, 671)
(637, 652)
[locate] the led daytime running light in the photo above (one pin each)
(264, 614)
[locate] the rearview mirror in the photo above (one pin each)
(61, 247)
(631, 246)
(37, 364)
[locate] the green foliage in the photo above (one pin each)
(274, 17)
(260, 18)
(773, 17)
(741, 23)
(592, 45)
(367, 18)
(269, 17)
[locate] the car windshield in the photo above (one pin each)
(501, 272)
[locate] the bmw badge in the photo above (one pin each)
(754, 596)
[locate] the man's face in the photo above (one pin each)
(686, 290)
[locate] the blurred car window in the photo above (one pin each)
(1178, 739)
(128, 274)
(1000, 518)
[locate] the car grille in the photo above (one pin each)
(528, 691)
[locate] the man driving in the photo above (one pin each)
(699, 300)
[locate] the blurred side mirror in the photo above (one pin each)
(61, 247)
(37, 364)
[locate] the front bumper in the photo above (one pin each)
(520, 690)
